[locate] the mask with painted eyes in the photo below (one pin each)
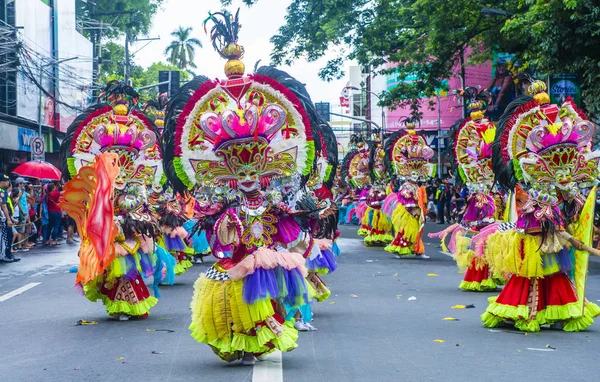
(248, 179)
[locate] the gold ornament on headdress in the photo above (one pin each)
(537, 90)
(224, 37)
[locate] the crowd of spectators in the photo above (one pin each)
(30, 216)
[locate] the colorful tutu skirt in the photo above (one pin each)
(176, 247)
(325, 260)
(379, 229)
(223, 318)
(199, 245)
(477, 277)
(532, 302)
(408, 233)
(121, 287)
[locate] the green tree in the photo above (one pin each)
(149, 76)
(423, 39)
(562, 37)
(182, 50)
(139, 21)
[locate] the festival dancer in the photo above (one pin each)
(355, 172)
(171, 217)
(183, 245)
(111, 151)
(547, 148)
(379, 225)
(473, 153)
(408, 153)
(247, 142)
(323, 226)
(197, 241)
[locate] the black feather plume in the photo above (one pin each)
(174, 109)
(505, 174)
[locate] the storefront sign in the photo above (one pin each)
(26, 137)
(563, 86)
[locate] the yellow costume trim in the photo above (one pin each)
(570, 313)
(364, 223)
(182, 266)
(503, 254)
(398, 250)
(464, 254)
(485, 285)
(92, 293)
(403, 221)
(222, 320)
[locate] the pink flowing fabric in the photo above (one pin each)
(478, 241)
(360, 210)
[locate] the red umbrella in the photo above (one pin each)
(38, 169)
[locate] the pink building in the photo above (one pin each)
(450, 105)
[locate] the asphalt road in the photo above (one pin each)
(371, 329)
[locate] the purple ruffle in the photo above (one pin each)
(174, 243)
(407, 202)
(146, 264)
(260, 285)
(529, 221)
(474, 213)
(288, 230)
(324, 261)
(563, 258)
(131, 272)
(289, 285)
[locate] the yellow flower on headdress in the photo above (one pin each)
(489, 135)
(554, 128)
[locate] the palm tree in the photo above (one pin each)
(182, 49)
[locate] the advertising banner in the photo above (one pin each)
(563, 86)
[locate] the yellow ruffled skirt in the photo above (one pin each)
(222, 320)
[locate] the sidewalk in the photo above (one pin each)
(42, 260)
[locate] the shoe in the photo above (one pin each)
(12, 259)
(6, 260)
(301, 326)
(421, 257)
(248, 359)
(397, 256)
(76, 240)
(310, 327)
(123, 317)
(70, 241)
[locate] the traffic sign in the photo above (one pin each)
(323, 109)
(37, 148)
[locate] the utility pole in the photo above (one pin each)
(127, 37)
(127, 58)
(96, 54)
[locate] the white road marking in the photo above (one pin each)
(17, 292)
(45, 271)
(446, 253)
(270, 369)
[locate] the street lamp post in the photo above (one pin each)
(42, 66)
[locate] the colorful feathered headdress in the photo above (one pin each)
(408, 155)
(241, 133)
(549, 144)
(115, 128)
(472, 143)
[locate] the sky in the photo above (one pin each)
(259, 23)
